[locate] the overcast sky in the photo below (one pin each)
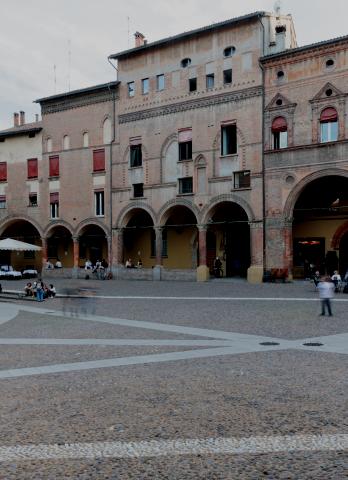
(36, 36)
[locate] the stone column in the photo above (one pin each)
(255, 271)
(157, 270)
(76, 256)
(44, 253)
(159, 245)
(117, 247)
(288, 248)
(202, 270)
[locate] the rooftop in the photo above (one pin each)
(311, 46)
(27, 128)
(190, 33)
(80, 92)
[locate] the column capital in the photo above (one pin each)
(75, 238)
(202, 227)
(256, 224)
(158, 228)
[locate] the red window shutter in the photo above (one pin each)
(54, 166)
(279, 125)
(54, 197)
(3, 171)
(329, 115)
(98, 160)
(32, 168)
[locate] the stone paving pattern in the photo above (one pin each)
(288, 392)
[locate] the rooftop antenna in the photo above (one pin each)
(277, 7)
(69, 63)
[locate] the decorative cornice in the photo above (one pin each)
(192, 104)
(71, 103)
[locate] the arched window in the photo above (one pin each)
(66, 142)
(85, 139)
(328, 125)
(280, 133)
(107, 130)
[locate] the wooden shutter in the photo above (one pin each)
(279, 125)
(328, 115)
(54, 166)
(3, 171)
(32, 168)
(99, 160)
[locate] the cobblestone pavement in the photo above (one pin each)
(216, 383)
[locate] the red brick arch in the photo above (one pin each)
(340, 232)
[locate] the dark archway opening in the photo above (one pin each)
(23, 231)
(93, 245)
(230, 226)
(60, 246)
(138, 240)
(319, 211)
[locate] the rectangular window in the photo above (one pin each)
(136, 159)
(131, 89)
(185, 144)
(3, 171)
(192, 84)
(228, 76)
(99, 160)
(210, 78)
(145, 86)
(54, 205)
(32, 199)
(185, 185)
(54, 166)
(138, 190)
(242, 179)
(99, 203)
(280, 140)
(2, 201)
(160, 82)
(329, 132)
(229, 139)
(32, 168)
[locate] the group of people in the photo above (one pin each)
(130, 264)
(327, 286)
(58, 264)
(39, 290)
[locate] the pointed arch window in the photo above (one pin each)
(280, 133)
(328, 125)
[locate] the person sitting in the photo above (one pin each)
(51, 291)
(58, 264)
(316, 278)
(49, 265)
(28, 290)
(129, 263)
(104, 264)
(88, 265)
(140, 263)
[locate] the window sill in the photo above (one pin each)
(33, 178)
(3, 181)
(135, 167)
(98, 172)
(238, 189)
(137, 198)
(185, 194)
(33, 206)
(56, 177)
(100, 216)
(186, 160)
(230, 155)
(54, 218)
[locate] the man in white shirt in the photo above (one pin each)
(326, 293)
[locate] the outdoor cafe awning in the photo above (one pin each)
(16, 245)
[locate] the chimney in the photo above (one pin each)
(16, 119)
(280, 38)
(36, 117)
(22, 117)
(139, 39)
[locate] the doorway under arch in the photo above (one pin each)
(60, 246)
(319, 211)
(229, 233)
(138, 243)
(93, 244)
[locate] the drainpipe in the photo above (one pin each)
(112, 141)
(263, 146)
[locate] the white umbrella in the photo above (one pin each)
(10, 244)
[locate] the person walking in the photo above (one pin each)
(326, 293)
(39, 291)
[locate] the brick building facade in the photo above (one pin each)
(209, 144)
